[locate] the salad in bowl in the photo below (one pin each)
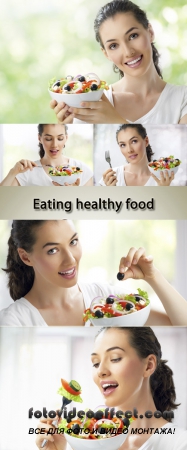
(64, 174)
(169, 164)
(93, 433)
(119, 310)
(73, 90)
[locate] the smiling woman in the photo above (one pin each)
(141, 95)
(52, 140)
(43, 266)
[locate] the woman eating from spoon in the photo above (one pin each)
(126, 38)
(52, 141)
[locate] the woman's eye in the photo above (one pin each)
(60, 139)
(52, 251)
(122, 145)
(116, 359)
(135, 141)
(74, 241)
(96, 365)
(112, 46)
(48, 140)
(133, 36)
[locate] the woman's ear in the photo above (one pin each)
(150, 367)
(39, 137)
(151, 32)
(24, 256)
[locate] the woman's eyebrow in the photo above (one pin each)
(130, 29)
(57, 243)
(52, 135)
(110, 349)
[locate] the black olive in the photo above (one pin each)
(78, 168)
(176, 159)
(81, 78)
(128, 306)
(57, 83)
(99, 313)
(138, 298)
(93, 87)
(76, 428)
(101, 430)
(154, 160)
(126, 422)
(120, 276)
(67, 88)
(109, 301)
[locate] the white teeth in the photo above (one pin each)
(108, 385)
(133, 62)
(68, 272)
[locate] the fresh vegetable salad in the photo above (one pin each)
(64, 171)
(80, 84)
(85, 428)
(168, 162)
(116, 305)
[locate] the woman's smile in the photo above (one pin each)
(68, 274)
(134, 62)
(127, 43)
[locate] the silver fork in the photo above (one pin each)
(107, 157)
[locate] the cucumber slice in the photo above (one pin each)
(74, 385)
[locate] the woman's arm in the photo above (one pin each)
(20, 167)
(89, 182)
(137, 265)
(184, 119)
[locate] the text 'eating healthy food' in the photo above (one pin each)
(80, 84)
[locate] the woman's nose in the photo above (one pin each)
(128, 50)
(68, 258)
(103, 370)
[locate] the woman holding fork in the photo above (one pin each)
(52, 140)
(134, 145)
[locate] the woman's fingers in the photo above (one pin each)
(165, 178)
(62, 112)
(109, 177)
(132, 257)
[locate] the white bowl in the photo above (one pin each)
(112, 443)
(75, 100)
(158, 171)
(135, 319)
(70, 179)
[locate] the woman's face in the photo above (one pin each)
(127, 43)
(132, 145)
(53, 139)
(118, 371)
(56, 253)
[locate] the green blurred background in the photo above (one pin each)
(47, 38)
